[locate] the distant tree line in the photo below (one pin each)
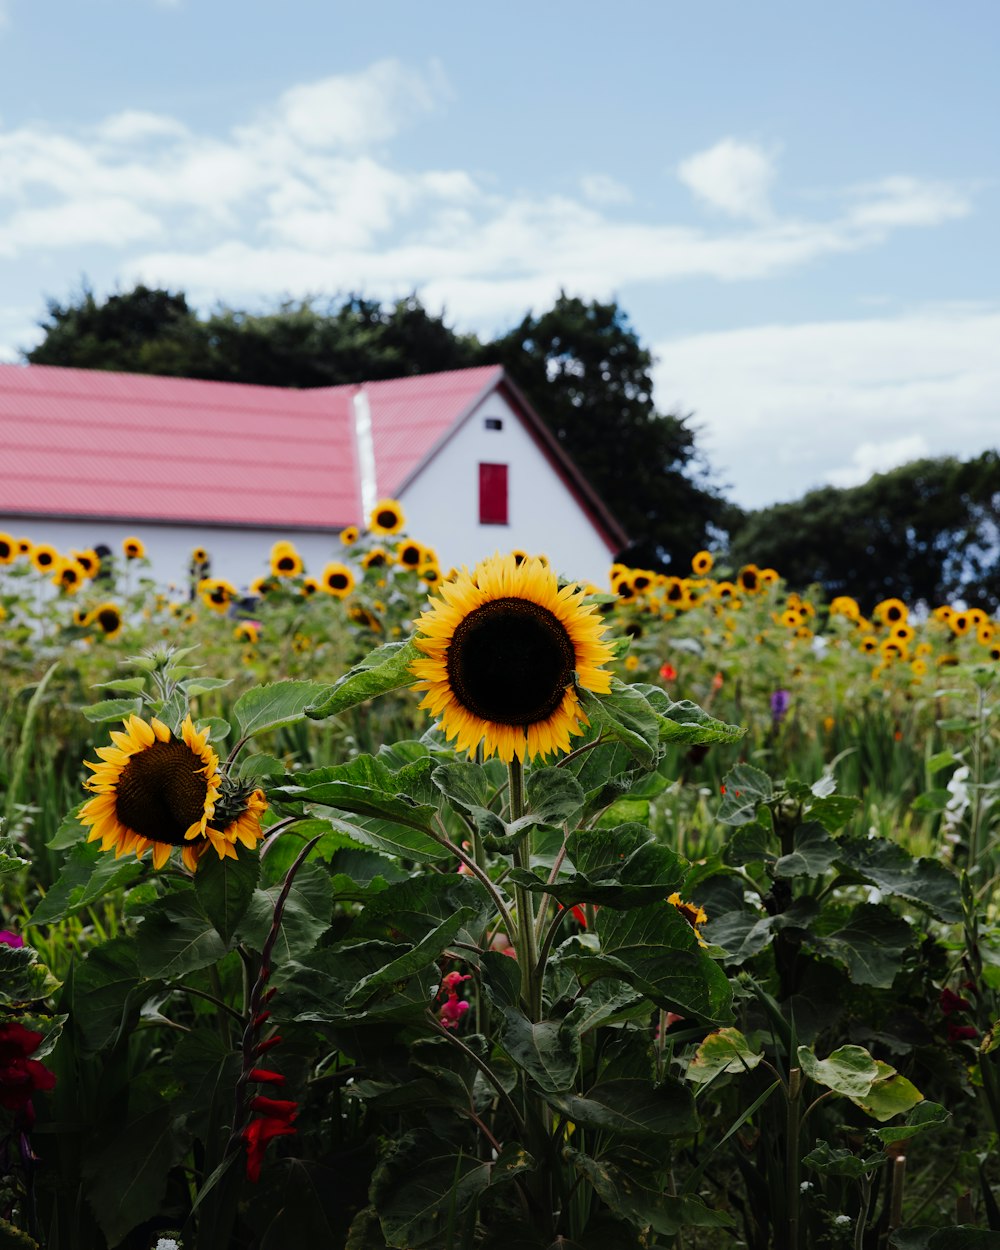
(928, 530)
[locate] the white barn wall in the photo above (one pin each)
(442, 502)
(239, 555)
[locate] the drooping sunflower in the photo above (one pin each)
(377, 558)
(386, 517)
(693, 913)
(152, 790)
(108, 618)
(134, 548)
(349, 535)
(337, 580)
(8, 548)
(701, 563)
(504, 650)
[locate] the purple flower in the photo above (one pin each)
(779, 705)
(10, 939)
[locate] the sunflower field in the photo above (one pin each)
(382, 905)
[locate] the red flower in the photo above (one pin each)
(275, 1108)
(668, 672)
(21, 1076)
(266, 1077)
(961, 1032)
(952, 1002)
(257, 1134)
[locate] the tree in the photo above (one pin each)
(583, 368)
(928, 531)
(145, 330)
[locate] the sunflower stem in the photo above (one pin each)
(527, 948)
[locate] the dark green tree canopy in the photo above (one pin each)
(929, 530)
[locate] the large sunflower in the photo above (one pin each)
(154, 790)
(504, 650)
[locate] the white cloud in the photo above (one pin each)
(869, 458)
(733, 177)
(785, 408)
(134, 126)
(605, 190)
(907, 202)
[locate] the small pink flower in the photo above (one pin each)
(451, 1012)
(10, 939)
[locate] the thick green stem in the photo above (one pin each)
(792, 1156)
(524, 940)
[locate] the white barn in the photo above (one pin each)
(90, 457)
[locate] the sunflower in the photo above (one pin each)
(844, 605)
(702, 562)
(960, 623)
(985, 633)
(642, 579)
(81, 617)
(903, 633)
(70, 576)
(349, 535)
(377, 558)
(410, 554)
(108, 618)
(25, 547)
(749, 578)
(199, 556)
(337, 580)
(286, 562)
(995, 653)
(247, 631)
(45, 558)
(868, 644)
(693, 913)
(520, 555)
(386, 517)
(769, 577)
(504, 649)
(8, 548)
(430, 573)
(89, 560)
(216, 593)
(133, 548)
(918, 668)
(891, 612)
(154, 790)
(309, 586)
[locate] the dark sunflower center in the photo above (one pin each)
(5, 549)
(386, 518)
(893, 614)
(675, 592)
(337, 581)
(510, 661)
(286, 564)
(161, 792)
(108, 620)
(375, 560)
(410, 555)
(749, 580)
(44, 557)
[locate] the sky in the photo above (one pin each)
(796, 205)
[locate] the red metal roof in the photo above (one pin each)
(411, 417)
(88, 443)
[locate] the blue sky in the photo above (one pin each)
(795, 204)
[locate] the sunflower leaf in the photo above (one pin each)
(685, 722)
(623, 716)
(268, 707)
(177, 936)
(112, 709)
(646, 1205)
(224, 888)
(384, 669)
(87, 874)
(631, 1108)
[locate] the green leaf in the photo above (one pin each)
(624, 716)
(11, 859)
(381, 819)
(931, 801)
(942, 759)
(887, 865)
(871, 944)
(746, 787)
(306, 917)
(22, 978)
(834, 811)
(422, 955)
(123, 685)
(549, 1050)
(112, 709)
(267, 707)
(654, 950)
(107, 990)
(70, 831)
(643, 1205)
(177, 936)
(891, 1094)
(925, 1115)
(554, 796)
(685, 722)
(828, 1161)
(814, 851)
(387, 668)
(202, 685)
(224, 888)
(126, 1178)
(253, 767)
(87, 874)
(414, 907)
(725, 1050)
(849, 1070)
(631, 1108)
(464, 783)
